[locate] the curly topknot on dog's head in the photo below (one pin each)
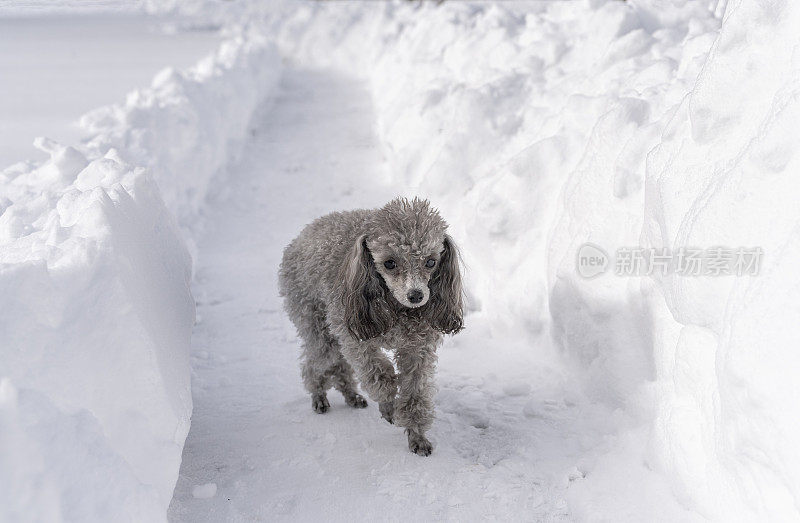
(404, 258)
(407, 225)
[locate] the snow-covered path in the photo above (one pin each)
(508, 438)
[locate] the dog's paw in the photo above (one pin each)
(419, 444)
(356, 401)
(319, 402)
(387, 410)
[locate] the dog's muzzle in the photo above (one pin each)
(415, 296)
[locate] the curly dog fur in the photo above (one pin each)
(359, 281)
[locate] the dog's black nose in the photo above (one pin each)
(415, 296)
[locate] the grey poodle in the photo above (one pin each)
(357, 282)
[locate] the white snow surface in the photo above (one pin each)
(95, 291)
(725, 351)
(56, 67)
(35, 8)
(534, 127)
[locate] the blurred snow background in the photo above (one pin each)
(56, 65)
(535, 127)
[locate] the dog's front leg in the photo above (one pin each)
(414, 405)
(374, 370)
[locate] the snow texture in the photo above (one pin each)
(35, 8)
(95, 291)
(535, 127)
(726, 418)
(205, 491)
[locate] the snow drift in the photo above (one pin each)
(94, 286)
(725, 173)
(102, 410)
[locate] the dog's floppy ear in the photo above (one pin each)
(446, 308)
(366, 311)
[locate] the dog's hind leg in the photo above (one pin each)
(316, 385)
(319, 354)
(341, 375)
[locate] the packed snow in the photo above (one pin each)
(147, 252)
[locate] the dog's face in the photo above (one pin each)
(404, 253)
(407, 270)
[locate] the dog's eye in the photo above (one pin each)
(430, 263)
(389, 264)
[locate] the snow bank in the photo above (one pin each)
(189, 124)
(97, 316)
(725, 173)
(96, 324)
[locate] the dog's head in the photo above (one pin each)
(404, 261)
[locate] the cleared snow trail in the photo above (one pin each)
(509, 436)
